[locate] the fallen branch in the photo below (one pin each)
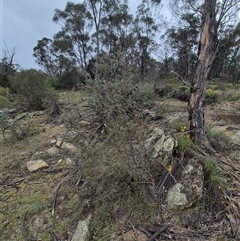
(99, 129)
(56, 188)
(54, 237)
(23, 229)
(13, 185)
(52, 170)
(154, 232)
(158, 232)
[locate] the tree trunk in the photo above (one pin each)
(206, 54)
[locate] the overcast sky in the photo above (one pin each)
(24, 22)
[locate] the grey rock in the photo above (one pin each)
(160, 143)
(69, 161)
(52, 151)
(176, 200)
(188, 190)
(82, 231)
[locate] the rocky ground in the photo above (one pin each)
(41, 186)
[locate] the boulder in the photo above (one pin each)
(160, 144)
(52, 151)
(33, 166)
(82, 231)
(188, 190)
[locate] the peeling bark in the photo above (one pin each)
(208, 48)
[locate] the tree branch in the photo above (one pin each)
(181, 78)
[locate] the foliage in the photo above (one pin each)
(31, 88)
(51, 82)
(111, 101)
(4, 80)
(215, 185)
(4, 102)
(115, 167)
(234, 97)
(212, 95)
(4, 123)
(4, 91)
(68, 79)
(179, 125)
(218, 139)
(145, 95)
(184, 142)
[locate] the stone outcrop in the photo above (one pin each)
(188, 190)
(82, 231)
(160, 144)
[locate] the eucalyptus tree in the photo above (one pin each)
(227, 58)
(115, 25)
(46, 57)
(183, 40)
(72, 42)
(214, 18)
(145, 28)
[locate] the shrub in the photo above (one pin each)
(145, 95)
(212, 93)
(4, 102)
(4, 81)
(4, 91)
(217, 139)
(69, 79)
(111, 100)
(30, 87)
(51, 82)
(214, 186)
(234, 97)
(3, 123)
(212, 96)
(178, 125)
(115, 169)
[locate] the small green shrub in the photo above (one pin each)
(229, 85)
(4, 80)
(32, 92)
(51, 82)
(234, 97)
(214, 186)
(145, 95)
(169, 87)
(212, 93)
(178, 125)
(4, 102)
(4, 123)
(184, 143)
(217, 139)
(30, 87)
(212, 96)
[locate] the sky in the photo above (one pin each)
(24, 22)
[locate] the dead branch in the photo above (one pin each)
(157, 231)
(99, 129)
(52, 170)
(54, 237)
(23, 229)
(181, 78)
(56, 188)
